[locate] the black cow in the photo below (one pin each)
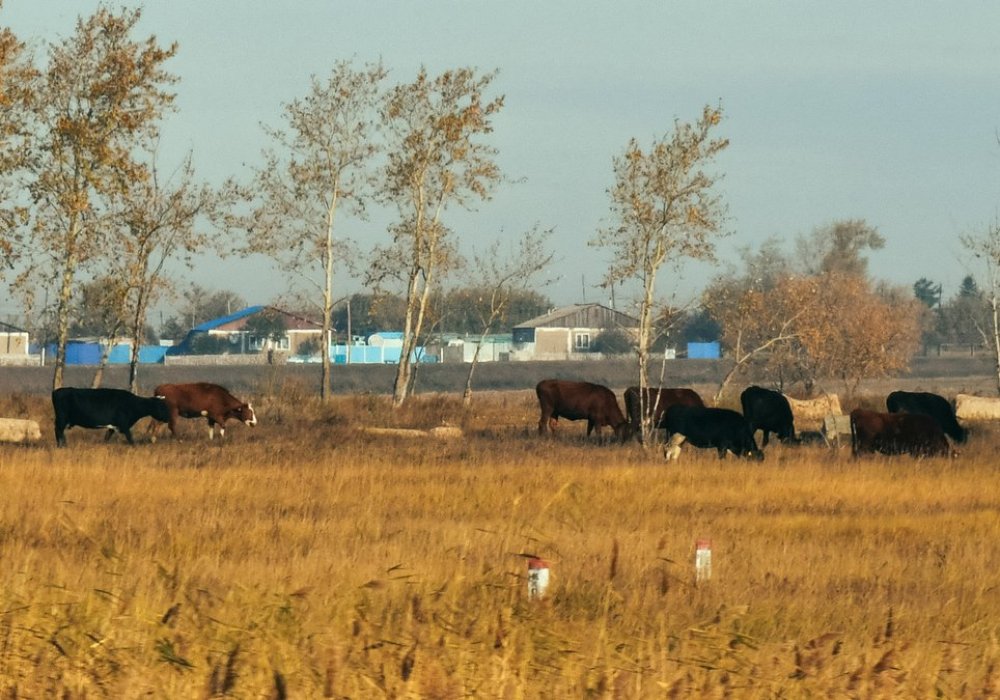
(923, 403)
(114, 409)
(720, 428)
(769, 412)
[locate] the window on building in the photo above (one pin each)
(582, 341)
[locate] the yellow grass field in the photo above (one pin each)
(306, 558)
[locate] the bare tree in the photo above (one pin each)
(321, 162)
(156, 222)
(100, 98)
(838, 247)
(501, 276)
(663, 209)
(436, 159)
(986, 248)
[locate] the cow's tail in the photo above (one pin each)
(854, 437)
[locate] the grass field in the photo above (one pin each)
(307, 559)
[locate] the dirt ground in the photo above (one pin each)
(947, 376)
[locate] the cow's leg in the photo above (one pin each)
(672, 450)
(60, 433)
(108, 435)
(544, 423)
(211, 429)
(127, 432)
(766, 434)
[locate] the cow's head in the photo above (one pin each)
(159, 409)
(245, 413)
(751, 451)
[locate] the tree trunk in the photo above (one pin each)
(138, 326)
(725, 383)
(417, 297)
(102, 365)
(62, 323)
(467, 394)
(995, 311)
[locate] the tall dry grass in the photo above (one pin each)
(306, 559)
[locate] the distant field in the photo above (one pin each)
(949, 375)
(306, 558)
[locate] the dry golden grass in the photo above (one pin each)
(306, 559)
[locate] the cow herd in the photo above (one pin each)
(117, 410)
(916, 423)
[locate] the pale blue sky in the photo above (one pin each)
(885, 111)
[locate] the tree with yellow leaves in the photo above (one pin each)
(856, 331)
(320, 168)
(437, 158)
(98, 101)
(17, 75)
(759, 319)
(664, 209)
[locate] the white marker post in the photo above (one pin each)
(702, 560)
(538, 578)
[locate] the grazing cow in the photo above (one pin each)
(769, 412)
(896, 433)
(114, 409)
(657, 401)
(926, 404)
(809, 413)
(560, 398)
(19, 430)
(202, 399)
(719, 428)
(969, 407)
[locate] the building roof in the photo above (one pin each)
(299, 323)
(581, 316)
(223, 320)
(9, 328)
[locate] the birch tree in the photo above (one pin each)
(320, 164)
(17, 80)
(100, 97)
(436, 158)
(663, 209)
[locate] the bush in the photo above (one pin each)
(613, 342)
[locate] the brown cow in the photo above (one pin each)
(560, 398)
(203, 399)
(656, 403)
(897, 433)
